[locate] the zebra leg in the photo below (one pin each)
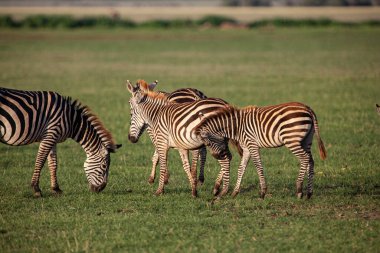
(218, 183)
(190, 174)
(225, 170)
(163, 154)
(194, 163)
(203, 154)
(44, 149)
(304, 158)
(310, 177)
(155, 160)
(154, 165)
(306, 144)
(52, 163)
(255, 154)
(242, 167)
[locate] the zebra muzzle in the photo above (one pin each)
(98, 188)
(132, 139)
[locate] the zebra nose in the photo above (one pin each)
(133, 139)
(98, 188)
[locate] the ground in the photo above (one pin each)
(333, 70)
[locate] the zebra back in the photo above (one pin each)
(186, 95)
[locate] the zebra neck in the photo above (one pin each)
(87, 136)
(152, 107)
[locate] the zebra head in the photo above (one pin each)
(138, 121)
(97, 166)
(218, 145)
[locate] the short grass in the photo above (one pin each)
(334, 70)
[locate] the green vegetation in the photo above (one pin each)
(69, 22)
(335, 70)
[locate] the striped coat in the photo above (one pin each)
(172, 124)
(291, 124)
(179, 96)
(49, 118)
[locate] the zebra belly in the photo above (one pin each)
(191, 142)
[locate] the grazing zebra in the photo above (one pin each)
(179, 96)
(290, 124)
(49, 118)
(172, 125)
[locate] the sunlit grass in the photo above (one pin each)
(335, 71)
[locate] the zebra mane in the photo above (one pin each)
(144, 87)
(88, 115)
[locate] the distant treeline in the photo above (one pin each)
(69, 22)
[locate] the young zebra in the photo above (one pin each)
(172, 126)
(179, 96)
(291, 124)
(49, 118)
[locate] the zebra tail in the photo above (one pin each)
(237, 146)
(321, 146)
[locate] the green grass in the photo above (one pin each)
(334, 70)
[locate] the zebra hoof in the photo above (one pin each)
(216, 192)
(37, 194)
(223, 193)
(151, 180)
(299, 195)
(159, 193)
(56, 191)
(309, 194)
(200, 182)
(194, 194)
(234, 193)
(262, 195)
(167, 176)
(36, 191)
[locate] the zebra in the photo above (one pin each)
(179, 96)
(291, 124)
(172, 125)
(49, 118)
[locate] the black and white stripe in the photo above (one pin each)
(49, 118)
(291, 124)
(180, 96)
(172, 125)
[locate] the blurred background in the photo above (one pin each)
(12, 12)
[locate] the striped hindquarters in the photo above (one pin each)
(25, 115)
(181, 119)
(281, 124)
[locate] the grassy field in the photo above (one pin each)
(334, 70)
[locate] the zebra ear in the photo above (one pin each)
(142, 85)
(113, 149)
(129, 86)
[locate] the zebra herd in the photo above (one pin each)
(185, 119)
